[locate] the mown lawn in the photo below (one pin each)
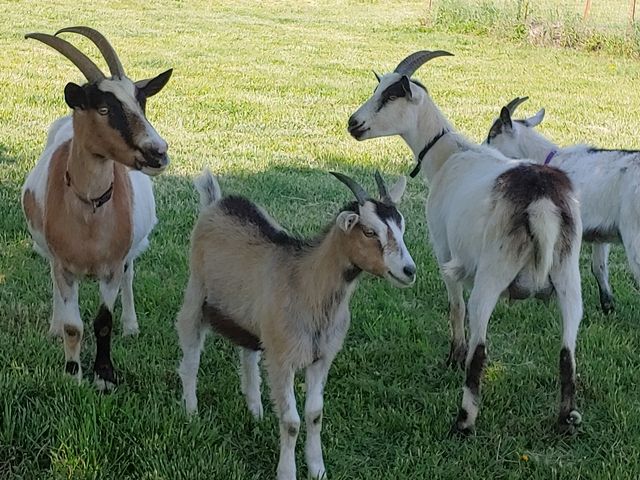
(261, 93)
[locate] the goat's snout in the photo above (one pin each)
(409, 270)
(352, 121)
(355, 127)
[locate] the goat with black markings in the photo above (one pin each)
(266, 290)
(606, 183)
(497, 224)
(89, 201)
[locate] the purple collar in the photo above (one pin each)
(552, 154)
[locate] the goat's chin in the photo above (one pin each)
(398, 281)
(152, 172)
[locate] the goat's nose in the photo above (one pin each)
(352, 121)
(409, 270)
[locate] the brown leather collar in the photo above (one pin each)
(94, 202)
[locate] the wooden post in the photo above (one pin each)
(587, 9)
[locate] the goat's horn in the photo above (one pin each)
(382, 189)
(89, 69)
(107, 51)
(413, 62)
(515, 103)
(360, 193)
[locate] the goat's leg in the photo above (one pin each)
(316, 377)
(566, 279)
(55, 324)
(458, 349)
(66, 314)
(104, 374)
(281, 382)
(129, 317)
(191, 333)
(492, 278)
(250, 380)
(631, 242)
(600, 270)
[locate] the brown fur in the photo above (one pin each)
(87, 243)
(32, 210)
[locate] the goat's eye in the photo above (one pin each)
(103, 110)
(368, 232)
(392, 98)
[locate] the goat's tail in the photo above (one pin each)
(544, 222)
(208, 188)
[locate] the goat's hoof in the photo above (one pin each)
(608, 307)
(104, 378)
(73, 369)
(568, 423)
(457, 356)
(458, 429)
(256, 410)
(317, 473)
(130, 330)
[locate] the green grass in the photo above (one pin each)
(261, 94)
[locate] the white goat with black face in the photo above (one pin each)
(265, 290)
(496, 224)
(89, 201)
(606, 182)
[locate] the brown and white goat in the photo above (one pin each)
(266, 290)
(89, 201)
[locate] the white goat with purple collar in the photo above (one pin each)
(606, 182)
(497, 224)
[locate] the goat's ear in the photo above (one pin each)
(406, 86)
(347, 220)
(151, 86)
(397, 190)
(536, 119)
(377, 76)
(505, 118)
(75, 96)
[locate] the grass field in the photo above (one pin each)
(261, 94)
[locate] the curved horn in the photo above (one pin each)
(89, 69)
(382, 189)
(360, 193)
(107, 51)
(515, 103)
(413, 62)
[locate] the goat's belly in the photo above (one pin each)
(521, 290)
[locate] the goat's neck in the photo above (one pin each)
(323, 274)
(429, 125)
(90, 175)
(535, 146)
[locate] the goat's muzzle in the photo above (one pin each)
(356, 128)
(152, 163)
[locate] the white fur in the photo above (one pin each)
(606, 183)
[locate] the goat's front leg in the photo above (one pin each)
(129, 317)
(281, 380)
(567, 282)
(66, 317)
(104, 374)
(600, 270)
(458, 348)
(250, 380)
(316, 377)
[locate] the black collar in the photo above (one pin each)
(424, 151)
(94, 202)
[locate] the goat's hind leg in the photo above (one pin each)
(458, 348)
(250, 380)
(191, 333)
(566, 279)
(600, 270)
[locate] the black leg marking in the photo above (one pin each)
(102, 326)
(317, 419)
(474, 371)
(456, 428)
(457, 355)
(568, 417)
(71, 367)
(606, 301)
(293, 431)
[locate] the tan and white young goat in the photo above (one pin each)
(498, 224)
(266, 290)
(89, 201)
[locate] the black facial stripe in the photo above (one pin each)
(394, 90)
(387, 212)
